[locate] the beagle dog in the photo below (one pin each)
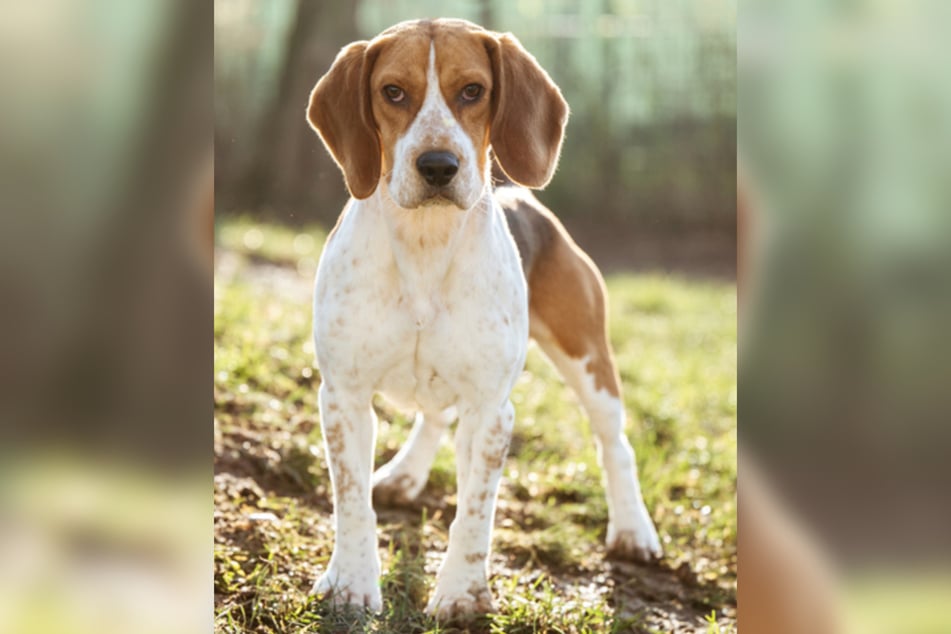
(431, 284)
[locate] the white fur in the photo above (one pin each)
(430, 327)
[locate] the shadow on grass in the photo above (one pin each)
(655, 596)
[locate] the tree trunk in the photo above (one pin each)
(291, 172)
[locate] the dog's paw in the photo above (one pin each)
(361, 591)
(455, 605)
(634, 544)
(392, 488)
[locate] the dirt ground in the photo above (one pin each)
(653, 597)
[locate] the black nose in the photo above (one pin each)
(437, 168)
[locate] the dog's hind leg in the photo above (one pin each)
(402, 479)
(631, 533)
(568, 308)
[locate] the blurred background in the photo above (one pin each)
(647, 172)
(845, 353)
(105, 316)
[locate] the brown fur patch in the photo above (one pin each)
(333, 436)
(339, 110)
(492, 460)
(567, 298)
(474, 558)
(530, 114)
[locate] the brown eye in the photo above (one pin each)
(394, 94)
(472, 92)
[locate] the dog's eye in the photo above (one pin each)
(393, 93)
(471, 92)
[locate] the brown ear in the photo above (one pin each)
(529, 114)
(340, 112)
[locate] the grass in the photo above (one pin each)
(675, 342)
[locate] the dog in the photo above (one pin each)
(432, 282)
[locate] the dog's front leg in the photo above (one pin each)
(482, 442)
(349, 428)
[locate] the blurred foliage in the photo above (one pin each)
(105, 122)
(651, 84)
(846, 142)
(105, 354)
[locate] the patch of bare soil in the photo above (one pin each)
(651, 597)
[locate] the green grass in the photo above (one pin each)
(675, 342)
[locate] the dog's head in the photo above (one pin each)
(419, 107)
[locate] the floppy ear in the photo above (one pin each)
(340, 112)
(529, 117)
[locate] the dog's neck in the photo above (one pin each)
(424, 243)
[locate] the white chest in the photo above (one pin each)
(427, 328)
